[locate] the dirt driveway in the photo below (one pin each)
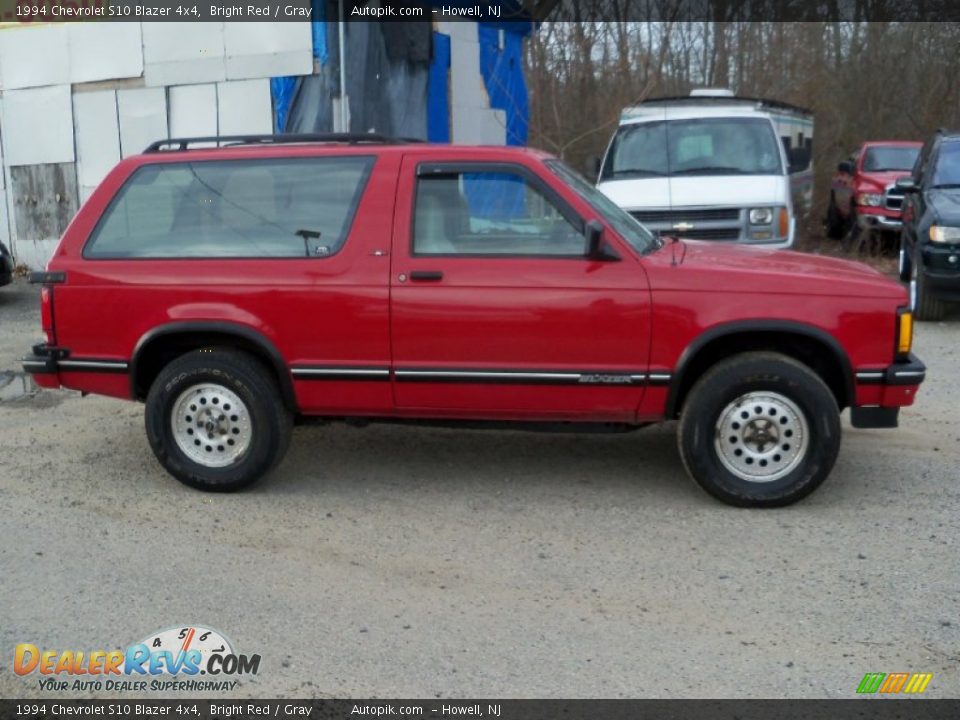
(394, 561)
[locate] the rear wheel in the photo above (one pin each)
(759, 430)
(925, 306)
(215, 419)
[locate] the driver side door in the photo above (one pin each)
(497, 312)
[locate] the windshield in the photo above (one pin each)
(623, 222)
(881, 158)
(947, 172)
(714, 146)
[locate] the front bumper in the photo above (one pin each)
(889, 389)
(868, 220)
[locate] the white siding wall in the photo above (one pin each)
(37, 125)
(243, 107)
(97, 132)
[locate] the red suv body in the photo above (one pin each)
(237, 290)
(863, 191)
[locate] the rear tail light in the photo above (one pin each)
(47, 279)
(46, 314)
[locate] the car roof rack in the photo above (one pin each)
(181, 144)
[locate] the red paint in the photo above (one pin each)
(351, 309)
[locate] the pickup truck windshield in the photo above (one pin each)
(879, 158)
(698, 146)
(623, 222)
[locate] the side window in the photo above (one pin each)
(233, 208)
(489, 213)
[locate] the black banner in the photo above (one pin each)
(875, 709)
(524, 11)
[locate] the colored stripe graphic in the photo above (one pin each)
(871, 682)
(918, 683)
(912, 683)
(894, 682)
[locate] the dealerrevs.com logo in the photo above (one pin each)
(188, 658)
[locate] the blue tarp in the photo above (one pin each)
(501, 198)
(502, 70)
(282, 90)
(438, 94)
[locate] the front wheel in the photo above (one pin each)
(215, 419)
(759, 430)
(925, 305)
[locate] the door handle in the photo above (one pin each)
(426, 275)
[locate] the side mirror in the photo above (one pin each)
(906, 184)
(596, 250)
(845, 167)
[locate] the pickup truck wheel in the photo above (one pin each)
(924, 305)
(759, 430)
(215, 420)
(834, 221)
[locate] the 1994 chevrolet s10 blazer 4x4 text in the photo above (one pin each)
(239, 288)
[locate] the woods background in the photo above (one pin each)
(862, 80)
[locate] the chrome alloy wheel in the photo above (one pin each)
(211, 425)
(761, 436)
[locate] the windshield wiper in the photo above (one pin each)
(637, 171)
(713, 170)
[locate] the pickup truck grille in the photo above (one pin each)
(893, 199)
(672, 217)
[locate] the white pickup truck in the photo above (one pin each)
(713, 166)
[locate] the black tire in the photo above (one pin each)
(263, 425)
(835, 225)
(926, 307)
(707, 412)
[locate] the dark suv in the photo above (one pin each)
(930, 239)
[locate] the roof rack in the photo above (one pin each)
(181, 144)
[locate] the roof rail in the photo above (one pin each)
(180, 144)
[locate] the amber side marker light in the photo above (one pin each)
(784, 222)
(904, 332)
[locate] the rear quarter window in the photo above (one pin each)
(233, 208)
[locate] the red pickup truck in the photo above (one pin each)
(239, 289)
(863, 193)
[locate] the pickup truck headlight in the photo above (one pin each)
(941, 234)
(870, 199)
(761, 216)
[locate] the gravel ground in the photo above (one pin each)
(396, 561)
